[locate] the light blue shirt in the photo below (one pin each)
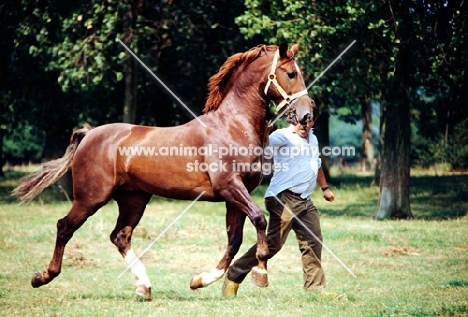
(296, 162)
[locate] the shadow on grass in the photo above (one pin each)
(457, 283)
(431, 197)
(439, 197)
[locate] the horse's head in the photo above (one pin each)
(286, 87)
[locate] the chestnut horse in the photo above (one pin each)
(234, 118)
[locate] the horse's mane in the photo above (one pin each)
(217, 83)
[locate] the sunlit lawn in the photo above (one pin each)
(403, 268)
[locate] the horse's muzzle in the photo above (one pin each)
(305, 119)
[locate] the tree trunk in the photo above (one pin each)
(2, 162)
(379, 152)
(367, 145)
(130, 101)
(395, 156)
(130, 105)
(323, 136)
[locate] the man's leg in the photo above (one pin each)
(307, 229)
(242, 266)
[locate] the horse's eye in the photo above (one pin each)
(292, 74)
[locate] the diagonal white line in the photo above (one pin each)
(161, 82)
(316, 238)
(282, 112)
(342, 53)
(162, 233)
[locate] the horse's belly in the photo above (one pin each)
(169, 178)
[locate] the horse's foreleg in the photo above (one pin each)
(234, 228)
(242, 200)
(65, 229)
(259, 272)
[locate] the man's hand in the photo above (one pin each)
(328, 195)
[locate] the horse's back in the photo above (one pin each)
(126, 156)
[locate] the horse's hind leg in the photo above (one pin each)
(234, 227)
(131, 208)
(65, 229)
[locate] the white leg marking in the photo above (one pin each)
(212, 276)
(138, 269)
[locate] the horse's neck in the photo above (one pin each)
(244, 105)
(247, 112)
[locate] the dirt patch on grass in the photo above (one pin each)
(399, 248)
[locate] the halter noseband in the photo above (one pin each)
(287, 99)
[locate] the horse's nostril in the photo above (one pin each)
(305, 119)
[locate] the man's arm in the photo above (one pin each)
(322, 182)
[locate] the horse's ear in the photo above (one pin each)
(283, 50)
(295, 49)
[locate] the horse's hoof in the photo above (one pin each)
(196, 282)
(259, 277)
(143, 291)
(36, 280)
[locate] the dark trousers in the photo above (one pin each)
(300, 215)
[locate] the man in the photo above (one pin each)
(295, 149)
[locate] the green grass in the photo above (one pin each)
(403, 268)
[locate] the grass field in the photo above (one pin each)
(403, 268)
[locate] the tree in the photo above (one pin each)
(62, 67)
(423, 34)
(321, 40)
(367, 144)
(390, 63)
(442, 107)
(28, 99)
(395, 164)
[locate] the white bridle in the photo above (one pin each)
(287, 99)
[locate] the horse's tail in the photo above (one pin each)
(32, 185)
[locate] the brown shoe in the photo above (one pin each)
(229, 288)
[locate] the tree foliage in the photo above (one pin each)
(62, 66)
(402, 48)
